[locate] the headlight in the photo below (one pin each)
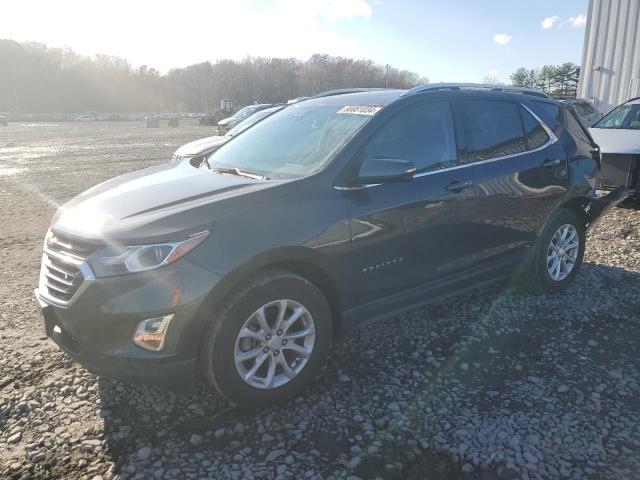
(115, 260)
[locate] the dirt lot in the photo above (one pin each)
(496, 383)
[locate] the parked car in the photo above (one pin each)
(618, 135)
(196, 151)
(585, 109)
(296, 100)
(85, 118)
(228, 123)
(338, 210)
(4, 119)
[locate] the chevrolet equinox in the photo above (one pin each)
(347, 207)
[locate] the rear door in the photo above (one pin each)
(519, 172)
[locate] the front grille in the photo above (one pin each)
(64, 269)
(60, 278)
(619, 170)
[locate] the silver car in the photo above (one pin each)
(197, 149)
(618, 136)
(586, 110)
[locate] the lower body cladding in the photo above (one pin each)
(97, 329)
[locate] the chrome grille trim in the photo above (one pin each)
(63, 276)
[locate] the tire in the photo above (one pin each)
(538, 278)
(269, 293)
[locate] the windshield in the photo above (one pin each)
(244, 112)
(255, 118)
(624, 116)
(294, 142)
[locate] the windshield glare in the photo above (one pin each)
(294, 142)
(624, 116)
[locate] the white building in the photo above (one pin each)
(610, 72)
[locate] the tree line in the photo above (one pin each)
(36, 78)
(554, 80)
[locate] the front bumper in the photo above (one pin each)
(96, 329)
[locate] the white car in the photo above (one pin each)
(197, 149)
(618, 135)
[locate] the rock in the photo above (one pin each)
(394, 407)
(275, 454)
(562, 389)
(15, 438)
(616, 374)
(144, 453)
(344, 378)
(196, 439)
(467, 468)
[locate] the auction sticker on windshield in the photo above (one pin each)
(360, 109)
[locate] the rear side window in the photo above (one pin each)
(493, 129)
(535, 134)
(423, 134)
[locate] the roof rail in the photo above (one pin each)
(633, 99)
(475, 86)
(342, 91)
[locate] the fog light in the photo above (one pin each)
(150, 333)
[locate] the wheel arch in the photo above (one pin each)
(580, 205)
(303, 261)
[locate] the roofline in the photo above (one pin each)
(475, 86)
(343, 91)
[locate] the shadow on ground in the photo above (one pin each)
(377, 408)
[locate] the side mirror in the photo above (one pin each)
(385, 170)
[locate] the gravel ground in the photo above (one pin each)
(495, 383)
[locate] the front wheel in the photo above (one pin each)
(269, 340)
(557, 258)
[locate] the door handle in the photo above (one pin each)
(549, 163)
(457, 186)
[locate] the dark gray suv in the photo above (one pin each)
(347, 207)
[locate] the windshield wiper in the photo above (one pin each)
(238, 172)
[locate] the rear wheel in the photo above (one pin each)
(557, 258)
(269, 341)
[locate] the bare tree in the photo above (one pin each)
(34, 78)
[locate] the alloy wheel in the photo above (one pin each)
(274, 344)
(562, 253)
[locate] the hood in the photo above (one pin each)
(200, 146)
(617, 140)
(229, 121)
(157, 203)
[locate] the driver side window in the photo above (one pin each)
(423, 134)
